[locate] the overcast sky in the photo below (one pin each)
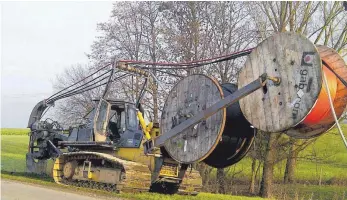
(39, 40)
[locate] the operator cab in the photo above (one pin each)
(111, 122)
(123, 126)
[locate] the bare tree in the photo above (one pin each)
(71, 110)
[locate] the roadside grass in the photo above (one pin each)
(14, 131)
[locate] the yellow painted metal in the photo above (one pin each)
(169, 169)
(149, 127)
(126, 67)
(132, 154)
(58, 166)
(143, 125)
(90, 174)
(57, 171)
(153, 131)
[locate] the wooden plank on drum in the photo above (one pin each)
(295, 60)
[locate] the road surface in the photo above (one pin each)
(11, 190)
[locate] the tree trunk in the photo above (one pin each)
(253, 176)
(268, 168)
(289, 173)
(221, 180)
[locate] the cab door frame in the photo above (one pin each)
(100, 134)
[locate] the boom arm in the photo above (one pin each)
(37, 112)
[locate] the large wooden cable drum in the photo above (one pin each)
(188, 97)
(220, 140)
(299, 105)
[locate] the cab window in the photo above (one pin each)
(132, 118)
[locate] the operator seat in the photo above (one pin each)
(115, 136)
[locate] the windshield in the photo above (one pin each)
(132, 119)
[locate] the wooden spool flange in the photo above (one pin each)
(296, 61)
(335, 62)
(190, 96)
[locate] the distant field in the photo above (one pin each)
(13, 150)
(14, 131)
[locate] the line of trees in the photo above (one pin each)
(186, 31)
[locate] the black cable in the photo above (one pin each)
(84, 85)
(338, 76)
(190, 66)
(87, 89)
(77, 92)
(182, 63)
(80, 80)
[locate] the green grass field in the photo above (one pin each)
(13, 150)
(14, 131)
(329, 148)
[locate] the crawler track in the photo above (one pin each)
(136, 176)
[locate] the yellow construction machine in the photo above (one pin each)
(106, 152)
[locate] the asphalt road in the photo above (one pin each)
(11, 190)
